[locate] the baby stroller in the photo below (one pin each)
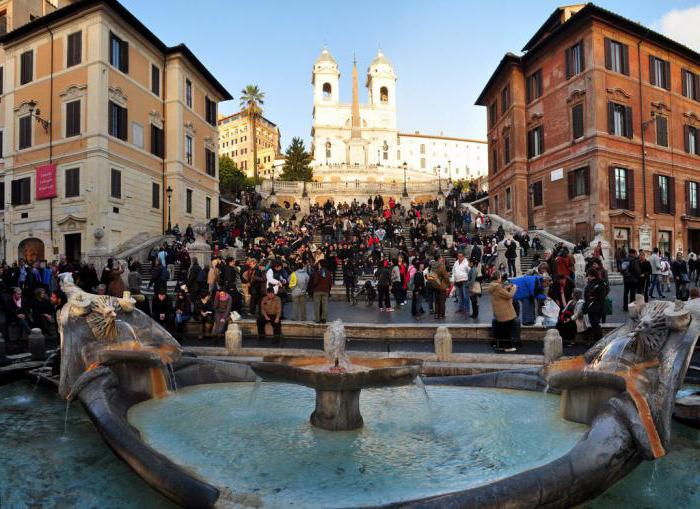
(369, 290)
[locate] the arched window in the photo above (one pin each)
(384, 95)
(328, 149)
(327, 91)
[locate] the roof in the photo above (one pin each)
(326, 56)
(436, 137)
(553, 21)
(241, 114)
(380, 58)
(80, 5)
(551, 29)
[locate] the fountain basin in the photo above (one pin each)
(338, 390)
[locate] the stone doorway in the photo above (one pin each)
(693, 240)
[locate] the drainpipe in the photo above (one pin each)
(162, 186)
(641, 126)
(51, 131)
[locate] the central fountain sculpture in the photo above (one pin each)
(337, 378)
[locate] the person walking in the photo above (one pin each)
(460, 276)
(321, 283)
(440, 287)
(631, 273)
(299, 284)
(383, 277)
(511, 255)
(474, 288)
(644, 275)
(656, 276)
(679, 269)
(418, 287)
(594, 302)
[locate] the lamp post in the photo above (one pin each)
(36, 113)
(439, 172)
(449, 170)
(272, 191)
(405, 189)
(304, 194)
(169, 192)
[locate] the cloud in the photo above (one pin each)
(682, 26)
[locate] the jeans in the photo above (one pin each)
(299, 307)
(383, 297)
(462, 291)
(655, 283)
(417, 304)
(475, 305)
(511, 267)
(596, 331)
(628, 294)
(320, 307)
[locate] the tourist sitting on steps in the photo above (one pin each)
(504, 315)
(270, 312)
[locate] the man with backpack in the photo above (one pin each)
(631, 272)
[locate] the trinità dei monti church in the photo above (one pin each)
(355, 142)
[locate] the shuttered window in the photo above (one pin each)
(115, 190)
(155, 80)
(207, 206)
(578, 181)
(621, 188)
(157, 141)
(210, 158)
(210, 110)
(74, 51)
(661, 130)
(534, 86)
(690, 85)
(188, 93)
(537, 197)
(188, 201)
(577, 121)
(21, 193)
(574, 60)
(119, 53)
(535, 142)
(25, 132)
(505, 98)
(26, 71)
(659, 72)
(664, 194)
(506, 150)
(2, 196)
(493, 114)
(118, 120)
(494, 160)
(690, 139)
(72, 182)
(72, 119)
(155, 195)
(692, 197)
(616, 57)
(620, 120)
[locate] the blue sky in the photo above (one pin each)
(443, 52)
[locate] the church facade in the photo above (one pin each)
(353, 142)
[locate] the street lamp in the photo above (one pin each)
(272, 191)
(169, 192)
(439, 172)
(304, 194)
(449, 170)
(36, 112)
(405, 189)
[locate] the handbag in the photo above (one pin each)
(475, 288)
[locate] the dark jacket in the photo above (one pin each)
(633, 272)
(228, 277)
(594, 297)
(322, 281)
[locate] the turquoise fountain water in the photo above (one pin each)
(406, 450)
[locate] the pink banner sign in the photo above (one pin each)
(45, 181)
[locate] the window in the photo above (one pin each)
(155, 195)
(118, 53)
(535, 142)
(25, 132)
(621, 188)
(3, 22)
(506, 150)
(384, 95)
(210, 111)
(327, 91)
(494, 160)
(21, 193)
(422, 163)
(574, 60)
(505, 98)
(1, 144)
(509, 199)
(188, 201)
(537, 198)
(691, 85)
(534, 86)
(115, 189)
(422, 148)
(74, 52)
(2, 196)
(208, 207)
(619, 119)
(72, 119)
(188, 93)
(492, 114)
(617, 57)
(155, 80)
(2, 80)
(690, 139)
(26, 71)
(659, 72)
(210, 159)
(691, 198)
(578, 182)
(664, 195)
(661, 130)
(188, 149)
(495, 204)
(577, 121)
(157, 141)
(72, 182)
(118, 120)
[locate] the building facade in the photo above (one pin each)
(361, 142)
(98, 119)
(236, 142)
(598, 122)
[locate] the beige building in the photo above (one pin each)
(99, 117)
(236, 141)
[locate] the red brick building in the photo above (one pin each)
(598, 122)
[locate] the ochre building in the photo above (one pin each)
(98, 118)
(598, 122)
(236, 142)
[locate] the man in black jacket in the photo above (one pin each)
(631, 273)
(193, 277)
(594, 302)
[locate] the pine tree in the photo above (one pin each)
(297, 162)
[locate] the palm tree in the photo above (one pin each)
(251, 101)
